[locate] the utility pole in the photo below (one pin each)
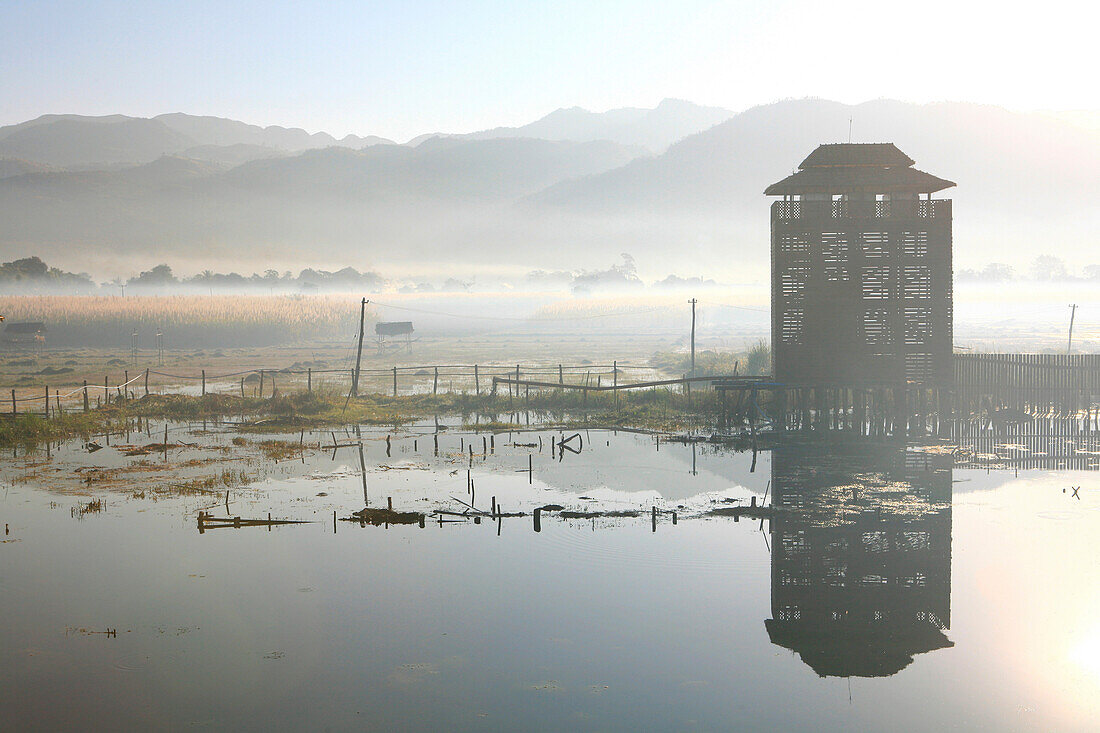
(1072, 313)
(359, 353)
(693, 301)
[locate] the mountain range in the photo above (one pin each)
(678, 186)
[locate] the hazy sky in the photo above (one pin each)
(400, 68)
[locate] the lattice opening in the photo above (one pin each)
(874, 579)
(918, 324)
(790, 325)
(792, 285)
(876, 283)
(913, 540)
(795, 243)
(917, 282)
(834, 254)
(918, 367)
(794, 543)
(914, 244)
(875, 244)
(876, 327)
(790, 613)
(786, 577)
(875, 541)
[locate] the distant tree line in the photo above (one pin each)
(1045, 268)
(32, 276)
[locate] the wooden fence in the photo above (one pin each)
(1033, 383)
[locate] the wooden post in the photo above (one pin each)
(146, 382)
(693, 302)
(530, 469)
(477, 382)
(85, 395)
(47, 403)
(309, 379)
(435, 382)
(106, 394)
(13, 409)
(395, 381)
(615, 379)
(359, 352)
(242, 388)
(204, 382)
(261, 384)
(561, 375)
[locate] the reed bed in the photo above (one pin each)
(187, 321)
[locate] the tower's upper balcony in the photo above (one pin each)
(861, 209)
(858, 180)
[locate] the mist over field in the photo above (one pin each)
(679, 187)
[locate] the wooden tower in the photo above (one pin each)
(861, 271)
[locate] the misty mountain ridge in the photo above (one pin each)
(1025, 181)
(82, 142)
(653, 129)
(78, 141)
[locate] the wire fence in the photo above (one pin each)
(262, 383)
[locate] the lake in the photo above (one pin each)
(818, 583)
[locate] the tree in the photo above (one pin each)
(159, 277)
(1049, 267)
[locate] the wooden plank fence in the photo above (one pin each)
(1033, 383)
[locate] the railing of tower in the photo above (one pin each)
(787, 210)
(841, 209)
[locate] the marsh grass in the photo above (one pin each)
(654, 408)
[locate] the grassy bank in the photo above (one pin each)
(655, 408)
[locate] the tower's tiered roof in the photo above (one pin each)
(858, 168)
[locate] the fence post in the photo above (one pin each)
(242, 388)
(106, 391)
(435, 382)
(477, 382)
(85, 395)
(47, 402)
(261, 384)
(204, 382)
(13, 410)
(309, 379)
(395, 381)
(147, 382)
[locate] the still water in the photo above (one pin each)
(895, 587)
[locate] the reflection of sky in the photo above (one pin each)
(632, 462)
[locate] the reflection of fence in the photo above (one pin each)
(265, 383)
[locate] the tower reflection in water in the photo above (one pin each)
(861, 554)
